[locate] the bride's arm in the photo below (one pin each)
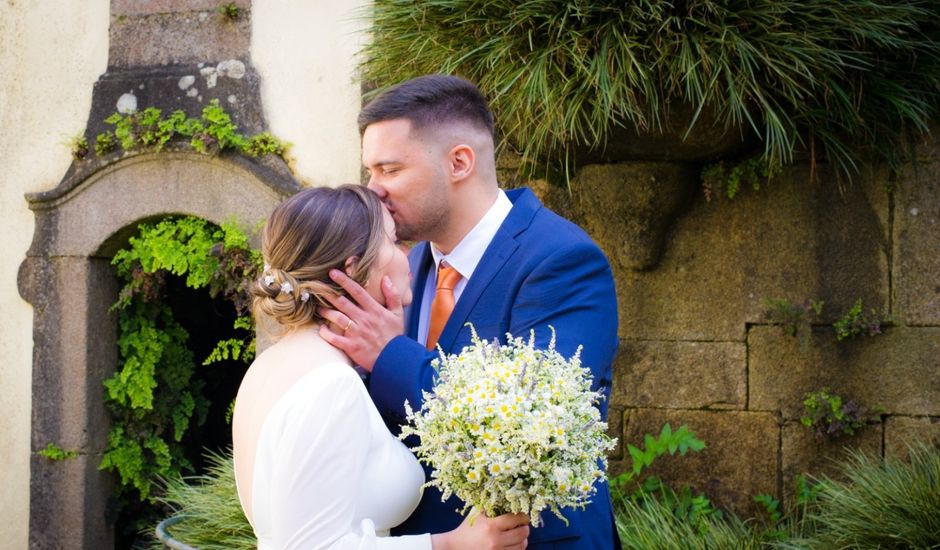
(321, 454)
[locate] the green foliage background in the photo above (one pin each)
(840, 77)
(154, 397)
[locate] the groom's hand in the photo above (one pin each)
(361, 327)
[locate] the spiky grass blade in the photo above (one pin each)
(212, 517)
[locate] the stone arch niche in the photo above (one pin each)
(68, 279)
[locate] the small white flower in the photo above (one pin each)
(286, 288)
(269, 280)
(304, 296)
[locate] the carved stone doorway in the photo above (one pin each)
(68, 279)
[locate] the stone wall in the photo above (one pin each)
(696, 348)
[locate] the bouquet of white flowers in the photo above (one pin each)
(512, 429)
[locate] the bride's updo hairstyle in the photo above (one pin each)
(305, 237)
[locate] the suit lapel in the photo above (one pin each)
(499, 250)
(419, 261)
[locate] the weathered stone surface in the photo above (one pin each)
(161, 88)
(144, 7)
(673, 141)
(630, 207)
(68, 398)
(928, 146)
(917, 245)
(680, 375)
(176, 38)
(80, 221)
(896, 370)
(794, 238)
(901, 431)
(615, 429)
(740, 459)
(803, 453)
(54, 485)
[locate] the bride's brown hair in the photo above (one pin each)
(305, 237)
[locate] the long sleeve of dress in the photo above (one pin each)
(320, 473)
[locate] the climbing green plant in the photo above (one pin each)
(78, 146)
(831, 415)
(54, 452)
(629, 487)
(229, 12)
(213, 132)
(154, 397)
(858, 322)
(791, 318)
(730, 177)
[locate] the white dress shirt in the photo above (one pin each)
(464, 258)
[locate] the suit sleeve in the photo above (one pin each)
(401, 372)
(573, 291)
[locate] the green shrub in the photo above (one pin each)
(835, 76)
(883, 503)
(229, 12)
(628, 488)
(212, 516)
(651, 524)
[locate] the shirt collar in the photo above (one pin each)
(467, 254)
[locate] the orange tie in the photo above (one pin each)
(443, 304)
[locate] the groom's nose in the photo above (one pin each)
(374, 186)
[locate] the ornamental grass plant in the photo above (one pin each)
(883, 503)
(212, 516)
(653, 524)
(837, 78)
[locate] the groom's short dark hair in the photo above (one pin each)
(430, 100)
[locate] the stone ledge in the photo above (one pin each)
(615, 429)
(75, 480)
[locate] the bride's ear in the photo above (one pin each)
(350, 266)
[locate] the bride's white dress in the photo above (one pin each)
(328, 474)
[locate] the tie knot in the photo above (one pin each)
(447, 278)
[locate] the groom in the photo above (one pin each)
(498, 260)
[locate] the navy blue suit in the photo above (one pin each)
(539, 270)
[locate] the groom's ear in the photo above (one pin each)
(462, 160)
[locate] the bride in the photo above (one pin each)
(315, 465)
